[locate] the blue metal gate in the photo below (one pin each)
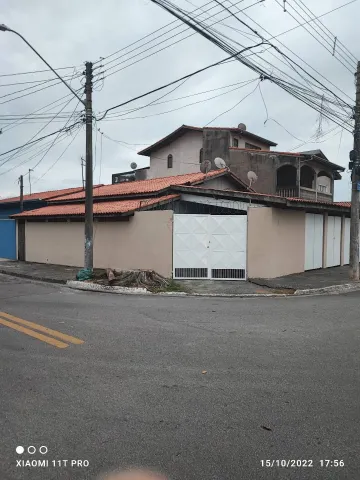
(8, 239)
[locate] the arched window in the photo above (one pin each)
(286, 176)
(201, 155)
(170, 161)
(307, 177)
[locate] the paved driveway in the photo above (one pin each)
(281, 383)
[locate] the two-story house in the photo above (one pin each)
(307, 174)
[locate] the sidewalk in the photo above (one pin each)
(325, 277)
(315, 279)
(38, 271)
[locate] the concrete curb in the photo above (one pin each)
(333, 289)
(91, 287)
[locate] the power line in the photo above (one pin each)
(164, 48)
(114, 115)
(338, 41)
(295, 90)
(176, 81)
(150, 34)
(272, 37)
(67, 129)
(37, 71)
(319, 41)
(183, 106)
(16, 123)
(59, 157)
(234, 106)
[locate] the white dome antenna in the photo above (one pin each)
(252, 177)
(220, 162)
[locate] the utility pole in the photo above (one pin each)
(88, 169)
(21, 180)
(21, 224)
(355, 190)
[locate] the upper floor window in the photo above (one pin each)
(170, 161)
(201, 155)
(251, 146)
(235, 142)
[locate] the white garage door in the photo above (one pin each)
(333, 241)
(347, 241)
(210, 246)
(314, 234)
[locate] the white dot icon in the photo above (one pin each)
(20, 450)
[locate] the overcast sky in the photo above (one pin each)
(68, 33)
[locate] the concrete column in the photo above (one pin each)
(326, 215)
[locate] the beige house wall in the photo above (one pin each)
(145, 241)
(186, 154)
(276, 242)
(242, 140)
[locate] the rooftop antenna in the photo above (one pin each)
(220, 163)
(252, 177)
(205, 166)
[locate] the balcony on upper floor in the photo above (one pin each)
(304, 183)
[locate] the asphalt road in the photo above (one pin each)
(134, 393)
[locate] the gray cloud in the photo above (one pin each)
(69, 33)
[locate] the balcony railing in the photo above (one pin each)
(287, 191)
(307, 193)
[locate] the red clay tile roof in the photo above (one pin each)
(144, 186)
(101, 208)
(255, 194)
(43, 195)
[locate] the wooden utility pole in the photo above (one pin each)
(88, 169)
(21, 223)
(355, 190)
(21, 181)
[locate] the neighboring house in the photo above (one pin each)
(191, 226)
(308, 175)
(11, 206)
(183, 150)
(304, 174)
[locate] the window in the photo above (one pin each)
(201, 155)
(235, 142)
(170, 161)
(322, 188)
(251, 146)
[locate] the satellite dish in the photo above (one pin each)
(220, 162)
(205, 166)
(252, 177)
(242, 126)
(133, 165)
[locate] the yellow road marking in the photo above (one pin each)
(31, 333)
(40, 328)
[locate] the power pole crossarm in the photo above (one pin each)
(88, 170)
(355, 191)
